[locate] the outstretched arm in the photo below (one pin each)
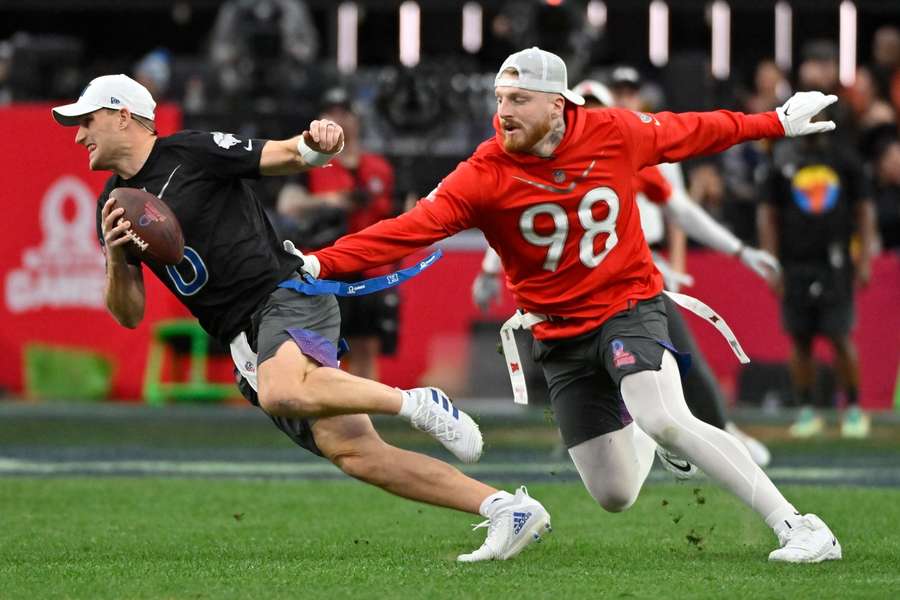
(673, 137)
(448, 209)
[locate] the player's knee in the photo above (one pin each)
(361, 461)
(658, 426)
(290, 399)
(612, 499)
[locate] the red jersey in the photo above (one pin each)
(567, 228)
(373, 178)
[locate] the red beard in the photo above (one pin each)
(529, 140)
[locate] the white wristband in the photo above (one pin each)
(314, 158)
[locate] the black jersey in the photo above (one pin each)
(232, 257)
(815, 187)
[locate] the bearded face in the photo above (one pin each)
(526, 117)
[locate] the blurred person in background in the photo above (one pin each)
(553, 194)
(886, 63)
(284, 343)
(743, 165)
(259, 48)
(6, 57)
(706, 185)
(818, 70)
(154, 72)
(360, 185)
(771, 87)
(815, 198)
(887, 193)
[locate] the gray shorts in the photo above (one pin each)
(314, 324)
(584, 373)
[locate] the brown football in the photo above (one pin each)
(155, 232)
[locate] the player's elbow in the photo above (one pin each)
(129, 317)
(128, 320)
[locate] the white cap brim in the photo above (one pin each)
(69, 115)
(573, 97)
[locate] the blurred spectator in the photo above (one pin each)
(743, 165)
(259, 47)
(817, 195)
(886, 63)
(625, 84)
(6, 52)
(559, 27)
(771, 88)
(819, 71)
(875, 117)
(359, 186)
(154, 72)
(887, 197)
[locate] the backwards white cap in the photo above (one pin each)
(539, 71)
(108, 91)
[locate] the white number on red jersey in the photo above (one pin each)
(556, 241)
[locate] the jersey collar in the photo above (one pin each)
(574, 116)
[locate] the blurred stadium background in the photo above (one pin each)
(81, 396)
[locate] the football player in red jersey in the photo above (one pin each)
(553, 194)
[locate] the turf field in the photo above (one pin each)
(170, 538)
(215, 504)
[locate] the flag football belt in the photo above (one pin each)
(319, 287)
(525, 320)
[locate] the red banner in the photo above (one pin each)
(51, 267)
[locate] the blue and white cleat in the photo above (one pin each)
(806, 539)
(513, 525)
(435, 414)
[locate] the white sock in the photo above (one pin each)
(491, 503)
(407, 406)
(778, 519)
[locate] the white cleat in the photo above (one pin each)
(758, 451)
(515, 523)
(435, 414)
(806, 539)
(677, 466)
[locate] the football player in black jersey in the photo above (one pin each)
(284, 344)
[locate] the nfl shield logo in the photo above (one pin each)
(559, 176)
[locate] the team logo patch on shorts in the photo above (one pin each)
(621, 357)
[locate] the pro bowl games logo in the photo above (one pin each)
(67, 269)
(816, 189)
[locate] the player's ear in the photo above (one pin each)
(559, 104)
(124, 118)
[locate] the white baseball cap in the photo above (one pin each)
(108, 91)
(595, 89)
(539, 71)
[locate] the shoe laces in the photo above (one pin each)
(491, 525)
(433, 422)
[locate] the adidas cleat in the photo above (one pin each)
(679, 467)
(435, 414)
(806, 539)
(514, 524)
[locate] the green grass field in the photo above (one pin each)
(196, 538)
